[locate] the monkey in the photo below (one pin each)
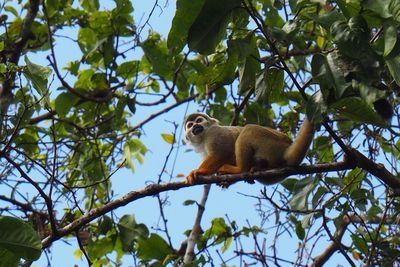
(235, 149)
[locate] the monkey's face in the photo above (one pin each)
(195, 127)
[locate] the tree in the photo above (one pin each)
(68, 129)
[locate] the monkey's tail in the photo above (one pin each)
(298, 149)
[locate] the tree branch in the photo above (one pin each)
(196, 229)
(154, 189)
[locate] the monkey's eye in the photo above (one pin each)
(189, 125)
(199, 119)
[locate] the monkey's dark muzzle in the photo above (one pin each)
(197, 129)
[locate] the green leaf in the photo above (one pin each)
(84, 81)
(249, 65)
(353, 179)
(394, 8)
(186, 13)
(101, 247)
(354, 108)
(87, 40)
(322, 146)
(155, 247)
(227, 244)
(390, 36)
(90, 5)
(169, 138)
(157, 54)
(12, 10)
(326, 70)
(349, 8)
(105, 225)
(38, 75)
(134, 149)
(73, 67)
(352, 37)
(368, 92)
(130, 231)
(219, 232)
(373, 212)
(275, 83)
(188, 202)
(393, 63)
(360, 244)
(325, 20)
(316, 107)
(128, 69)
(131, 102)
(8, 259)
(335, 75)
(209, 27)
(64, 102)
(303, 188)
(19, 238)
(269, 85)
(28, 141)
(380, 7)
(300, 232)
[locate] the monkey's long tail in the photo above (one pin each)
(298, 149)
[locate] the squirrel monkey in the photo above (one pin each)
(233, 149)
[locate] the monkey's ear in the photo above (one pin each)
(214, 121)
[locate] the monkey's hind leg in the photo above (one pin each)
(244, 158)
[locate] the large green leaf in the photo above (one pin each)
(186, 13)
(64, 102)
(390, 36)
(325, 20)
(38, 75)
(19, 238)
(302, 190)
(380, 7)
(352, 37)
(384, 8)
(90, 5)
(156, 52)
(269, 85)
(316, 107)
(393, 62)
(249, 64)
(8, 259)
(131, 231)
(210, 25)
(394, 7)
(153, 247)
(335, 75)
(134, 149)
(354, 108)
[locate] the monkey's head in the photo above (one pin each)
(196, 125)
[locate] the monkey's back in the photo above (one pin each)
(265, 146)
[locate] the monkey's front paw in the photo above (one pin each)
(191, 178)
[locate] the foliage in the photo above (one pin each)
(70, 121)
